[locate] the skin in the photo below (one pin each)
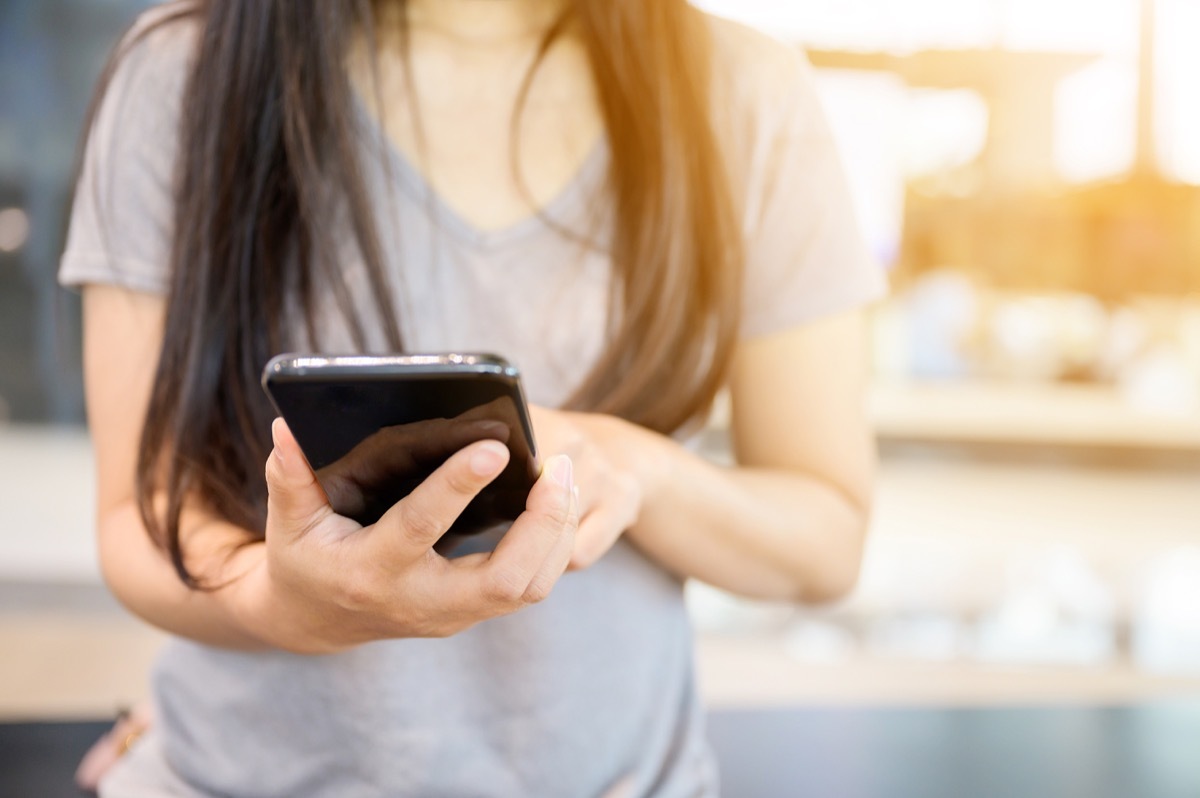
(787, 523)
(469, 59)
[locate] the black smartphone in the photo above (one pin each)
(374, 427)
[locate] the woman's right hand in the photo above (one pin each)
(326, 583)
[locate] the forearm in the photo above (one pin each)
(141, 576)
(763, 533)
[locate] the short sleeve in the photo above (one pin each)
(805, 255)
(122, 216)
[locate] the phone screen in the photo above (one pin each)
(371, 437)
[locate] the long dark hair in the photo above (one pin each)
(267, 138)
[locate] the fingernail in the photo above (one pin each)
(488, 458)
(561, 471)
(276, 425)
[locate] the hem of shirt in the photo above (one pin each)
(830, 303)
(77, 269)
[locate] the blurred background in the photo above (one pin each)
(1028, 171)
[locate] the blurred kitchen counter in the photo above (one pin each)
(744, 671)
(1040, 414)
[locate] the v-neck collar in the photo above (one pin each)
(563, 208)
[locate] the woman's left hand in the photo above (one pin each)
(606, 452)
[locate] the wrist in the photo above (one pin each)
(260, 608)
(247, 602)
(644, 453)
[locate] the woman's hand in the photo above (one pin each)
(325, 583)
(614, 467)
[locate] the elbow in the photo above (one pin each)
(113, 559)
(833, 574)
(126, 556)
(832, 584)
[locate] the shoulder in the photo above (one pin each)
(164, 30)
(757, 75)
(766, 114)
(764, 101)
(157, 51)
(757, 58)
(141, 94)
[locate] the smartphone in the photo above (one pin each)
(374, 427)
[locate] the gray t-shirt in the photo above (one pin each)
(589, 693)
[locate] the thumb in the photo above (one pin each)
(294, 497)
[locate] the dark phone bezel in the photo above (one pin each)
(334, 370)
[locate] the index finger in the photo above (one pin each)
(412, 525)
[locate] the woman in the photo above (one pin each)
(634, 202)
